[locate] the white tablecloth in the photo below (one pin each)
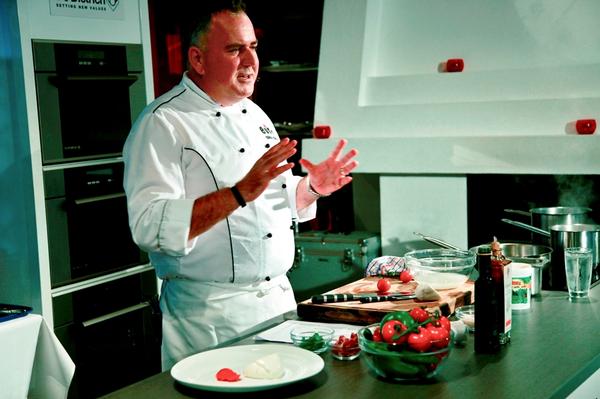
(33, 363)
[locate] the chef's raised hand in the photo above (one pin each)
(266, 169)
(331, 174)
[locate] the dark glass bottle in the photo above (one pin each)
(487, 305)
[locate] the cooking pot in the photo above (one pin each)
(563, 236)
(544, 218)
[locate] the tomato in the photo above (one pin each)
(440, 337)
(420, 341)
(383, 285)
(445, 323)
(405, 276)
(401, 315)
(346, 346)
(377, 335)
(391, 331)
(419, 314)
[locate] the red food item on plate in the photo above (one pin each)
(228, 375)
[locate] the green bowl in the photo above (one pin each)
(395, 362)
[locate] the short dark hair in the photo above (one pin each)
(213, 7)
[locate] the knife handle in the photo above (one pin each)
(329, 298)
(382, 298)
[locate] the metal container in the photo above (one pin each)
(573, 235)
(544, 218)
(563, 236)
(538, 256)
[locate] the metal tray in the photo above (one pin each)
(9, 312)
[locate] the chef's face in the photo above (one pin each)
(225, 66)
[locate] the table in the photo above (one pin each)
(555, 347)
(33, 362)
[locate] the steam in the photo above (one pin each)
(575, 190)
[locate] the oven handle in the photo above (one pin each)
(98, 198)
(56, 80)
(117, 313)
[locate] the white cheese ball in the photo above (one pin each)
(266, 368)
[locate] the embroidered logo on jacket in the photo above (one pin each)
(269, 134)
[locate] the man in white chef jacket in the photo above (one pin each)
(211, 196)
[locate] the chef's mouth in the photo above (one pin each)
(246, 76)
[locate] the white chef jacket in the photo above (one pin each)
(185, 145)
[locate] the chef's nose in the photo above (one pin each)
(250, 57)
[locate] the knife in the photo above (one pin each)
(381, 298)
(330, 298)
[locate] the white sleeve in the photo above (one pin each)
(159, 213)
(301, 215)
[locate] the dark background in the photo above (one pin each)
(488, 196)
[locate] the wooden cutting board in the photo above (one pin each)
(355, 312)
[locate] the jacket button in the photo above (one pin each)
(218, 113)
(244, 111)
(267, 145)
(283, 185)
(269, 235)
(268, 278)
(242, 150)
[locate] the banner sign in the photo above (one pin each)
(104, 9)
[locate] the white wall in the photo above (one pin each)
(532, 68)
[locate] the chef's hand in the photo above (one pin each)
(266, 169)
(331, 174)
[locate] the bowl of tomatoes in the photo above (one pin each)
(407, 345)
(345, 347)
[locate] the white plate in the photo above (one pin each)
(199, 370)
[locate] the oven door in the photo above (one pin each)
(84, 117)
(112, 332)
(87, 221)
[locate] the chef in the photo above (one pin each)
(211, 196)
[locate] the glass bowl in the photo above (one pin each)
(467, 315)
(442, 269)
(395, 362)
(314, 339)
(345, 347)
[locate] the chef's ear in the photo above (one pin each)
(196, 59)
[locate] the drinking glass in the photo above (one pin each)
(578, 267)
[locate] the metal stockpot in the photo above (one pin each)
(572, 235)
(563, 236)
(544, 218)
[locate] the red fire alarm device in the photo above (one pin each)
(322, 131)
(455, 65)
(585, 126)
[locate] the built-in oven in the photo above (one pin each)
(111, 331)
(87, 224)
(87, 95)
